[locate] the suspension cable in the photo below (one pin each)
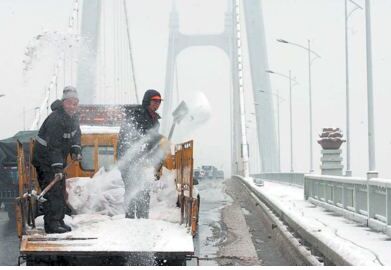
(130, 51)
(176, 82)
(60, 62)
(114, 54)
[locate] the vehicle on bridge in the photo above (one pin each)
(210, 171)
(99, 149)
(220, 174)
(9, 169)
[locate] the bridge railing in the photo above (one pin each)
(295, 179)
(366, 201)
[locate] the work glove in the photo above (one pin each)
(59, 175)
(76, 157)
(76, 153)
(165, 145)
(58, 172)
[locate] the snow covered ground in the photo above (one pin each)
(99, 207)
(358, 243)
(120, 234)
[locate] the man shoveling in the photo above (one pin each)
(137, 141)
(58, 137)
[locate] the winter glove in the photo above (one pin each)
(76, 157)
(58, 172)
(59, 175)
(76, 153)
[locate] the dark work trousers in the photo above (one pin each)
(137, 197)
(137, 186)
(54, 207)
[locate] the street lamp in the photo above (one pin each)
(357, 6)
(289, 77)
(278, 122)
(308, 49)
(371, 129)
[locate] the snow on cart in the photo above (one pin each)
(101, 235)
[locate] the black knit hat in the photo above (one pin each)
(148, 96)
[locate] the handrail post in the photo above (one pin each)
(388, 206)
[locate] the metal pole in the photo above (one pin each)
(310, 103)
(371, 131)
(130, 50)
(348, 171)
(24, 118)
(278, 130)
(244, 150)
(290, 117)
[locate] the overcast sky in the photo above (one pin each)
(206, 69)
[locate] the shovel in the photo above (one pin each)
(178, 114)
(40, 197)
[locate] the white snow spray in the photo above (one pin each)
(105, 193)
(199, 113)
(45, 50)
(138, 167)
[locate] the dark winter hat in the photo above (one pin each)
(69, 92)
(149, 95)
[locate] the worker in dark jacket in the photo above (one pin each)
(137, 150)
(58, 137)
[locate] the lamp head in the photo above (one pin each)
(282, 40)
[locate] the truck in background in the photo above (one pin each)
(208, 172)
(9, 169)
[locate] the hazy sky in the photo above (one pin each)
(207, 69)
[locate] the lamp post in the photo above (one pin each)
(348, 170)
(371, 129)
(277, 94)
(308, 49)
(289, 77)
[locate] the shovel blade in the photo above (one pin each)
(180, 112)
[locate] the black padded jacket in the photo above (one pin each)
(136, 124)
(58, 136)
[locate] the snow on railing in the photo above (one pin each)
(360, 199)
(295, 179)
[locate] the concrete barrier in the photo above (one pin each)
(318, 248)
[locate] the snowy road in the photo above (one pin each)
(231, 231)
(9, 242)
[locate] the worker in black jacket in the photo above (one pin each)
(137, 150)
(58, 137)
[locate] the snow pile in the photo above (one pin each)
(102, 194)
(121, 234)
(164, 198)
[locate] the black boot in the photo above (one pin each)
(68, 228)
(54, 227)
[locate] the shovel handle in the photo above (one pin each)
(52, 183)
(171, 131)
(48, 187)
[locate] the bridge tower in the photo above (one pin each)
(86, 73)
(227, 41)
